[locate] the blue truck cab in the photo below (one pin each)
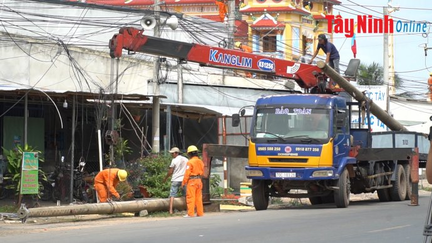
(298, 141)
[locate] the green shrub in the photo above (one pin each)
(156, 167)
(15, 158)
(215, 190)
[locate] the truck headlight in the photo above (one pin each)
(254, 173)
(322, 173)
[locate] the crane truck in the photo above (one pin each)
(304, 142)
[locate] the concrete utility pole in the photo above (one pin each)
(156, 87)
(231, 23)
(102, 208)
(383, 116)
(179, 82)
(231, 30)
(388, 64)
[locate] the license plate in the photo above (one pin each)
(285, 174)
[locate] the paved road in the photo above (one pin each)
(365, 221)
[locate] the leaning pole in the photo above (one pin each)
(382, 115)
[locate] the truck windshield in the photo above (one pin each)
(292, 123)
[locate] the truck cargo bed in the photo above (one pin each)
(391, 145)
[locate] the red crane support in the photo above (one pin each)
(134, 40)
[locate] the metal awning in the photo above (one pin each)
(191, 111)
(7, 90)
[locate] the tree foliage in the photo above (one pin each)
(156, 167)
(373, 74)
(15, 158)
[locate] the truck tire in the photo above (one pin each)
(315, 200)
(384, 195)
(260, 194)
(407, 169)
(399, 189)
(329, 198)
(342, 195)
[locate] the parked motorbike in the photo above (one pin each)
(5, 190)
(82, 186)
(47, 186)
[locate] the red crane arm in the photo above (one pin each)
(133, 40)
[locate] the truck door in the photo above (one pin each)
(341, 139)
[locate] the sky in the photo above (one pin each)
(409, 56)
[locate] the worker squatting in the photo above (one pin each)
(224, 58)
(368, 24)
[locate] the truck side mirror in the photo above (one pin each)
(242, 112)
(430, 133)
(235, 120)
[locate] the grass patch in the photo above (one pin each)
(276, 200)
(163, 214)
(8, 209)
(429, 189)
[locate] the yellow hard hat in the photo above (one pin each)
(430, 74)
(192, 148)
(122, 175)
(237, 44)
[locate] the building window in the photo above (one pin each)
(210, 9)
(269, 43)
(296, 40)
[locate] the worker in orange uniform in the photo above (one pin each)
(430, 85)
(242, 47)
(192, 178)
(222, 9)
(429, 159)
(106, 181)
(246, 49)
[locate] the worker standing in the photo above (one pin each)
(222, 9)
(192, 178)
(246, 49)
(332, 54)
(430, 86)
(177, 170)
(106, 181)
(429, 160)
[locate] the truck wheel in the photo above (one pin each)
(260, 194)
(342, 195)
(329, 198)
(399, 189)
(315, 200)
(384, 195)
(407, 169)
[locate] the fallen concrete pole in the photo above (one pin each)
(102, 208)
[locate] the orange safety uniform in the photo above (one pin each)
(247, 49)
(105, 182)
(222, 9)
(192, 178)
(430, 87)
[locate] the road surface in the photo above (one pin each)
(364, 221)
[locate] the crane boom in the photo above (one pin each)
(134, 40)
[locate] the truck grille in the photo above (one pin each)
(288, 160)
